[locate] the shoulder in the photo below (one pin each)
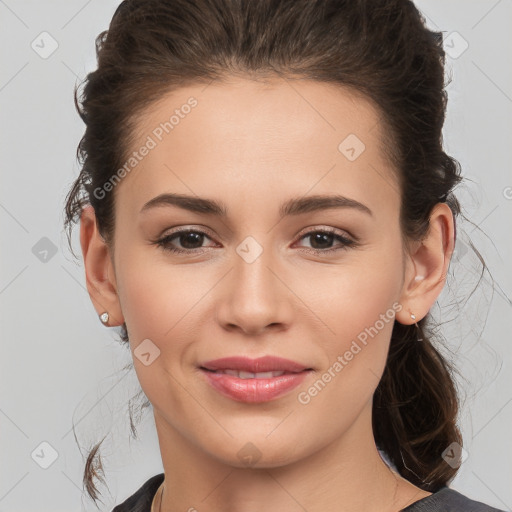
(140, 500)
(449, 500)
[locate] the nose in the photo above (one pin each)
(254, 297)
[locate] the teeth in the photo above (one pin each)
(249, 375)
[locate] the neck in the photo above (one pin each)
(347, 474)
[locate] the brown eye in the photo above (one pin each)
(191, 241)
(321, 241)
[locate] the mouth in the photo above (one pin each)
(241, 374)
(254, 380)
(249, 368)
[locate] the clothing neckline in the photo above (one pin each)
(426, 500)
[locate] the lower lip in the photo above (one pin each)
(254, 390)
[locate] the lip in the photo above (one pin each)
(254, 390)
(260, 364)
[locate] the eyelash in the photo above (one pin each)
(164, 242)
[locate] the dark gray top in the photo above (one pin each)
(444, 500)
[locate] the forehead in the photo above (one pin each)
(237, 140)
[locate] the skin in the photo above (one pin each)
(252, 146)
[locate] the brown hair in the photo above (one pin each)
(381, 49)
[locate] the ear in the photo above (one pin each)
(99, 270)
(427, 265)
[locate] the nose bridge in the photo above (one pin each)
(255, 297)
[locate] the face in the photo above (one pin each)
(275, 274)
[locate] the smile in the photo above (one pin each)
(250, 387)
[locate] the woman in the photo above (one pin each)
(266, 211)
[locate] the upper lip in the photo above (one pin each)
(261, 364)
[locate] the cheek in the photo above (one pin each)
(156, 296)
(165, 304)
(353, 296)
(157, 304)
(362, 318)
(359, 315)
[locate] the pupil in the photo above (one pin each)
(187, 240)
(319, 237)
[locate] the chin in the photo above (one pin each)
(257, 451)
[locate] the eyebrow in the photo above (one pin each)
(295, 206)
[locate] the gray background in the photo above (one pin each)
(58, 362)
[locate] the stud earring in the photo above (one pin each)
(104, 317)
(413, 316)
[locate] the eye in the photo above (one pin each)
(190, 239)
(320, 238)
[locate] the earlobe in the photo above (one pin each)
(99, 272)
(428, 265)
